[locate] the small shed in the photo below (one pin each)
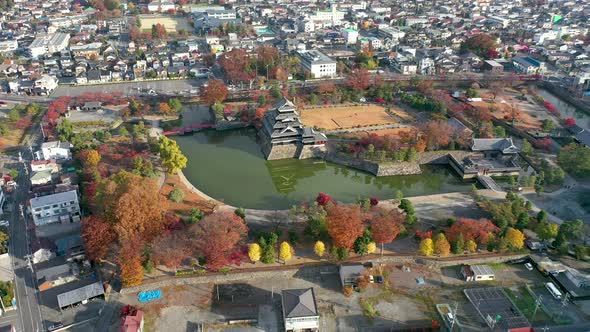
(80, 295)
(477, 273)
(349, 273)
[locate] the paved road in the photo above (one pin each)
(28, 314)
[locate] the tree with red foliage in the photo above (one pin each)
(472, 229)
(52, 116)
(344, 224)
(236, 65)
(170, 249)
(386, 225)
(60, 105)
(359, 79)
(260, 111)
(98, 236)
(158, 31)
(437, 134)
(326, 88)
(324, 199)
(214, 92)
(570, 122)
(216, 235)
(481, 44)
(128, 310)
(543, 143)
(267, 56)
(129, 260)
(23, 123)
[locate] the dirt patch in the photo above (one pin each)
(392, 132)
(341, 117)
(171, 23)
(191, 199)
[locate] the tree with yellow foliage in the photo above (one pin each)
(471, 246)
(427, 247)
(371, 247)
(254, 252)
(319, 248)
(441, 245)
(285, 251)
(514, 238)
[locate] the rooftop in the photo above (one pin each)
(80, 294)
(299, 303)
(315, 57)
(71, 195)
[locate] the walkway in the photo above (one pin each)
(488, 182)
(366, 128)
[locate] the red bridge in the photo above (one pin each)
(188, 129)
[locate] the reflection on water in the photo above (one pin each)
(567, 110)
(230, 166)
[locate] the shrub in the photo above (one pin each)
(176, 195)
(240, 212)
(347, 291)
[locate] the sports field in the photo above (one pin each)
(342, 117)
(171, 23)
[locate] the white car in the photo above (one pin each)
(371, 279)
(528, 266)
(4, 223)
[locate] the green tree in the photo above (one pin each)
(175, 104)
(176, 195)
(123, 132)
(195, 215)
(547, 125)
(542, 216)
(575, 159)
(527, 147)
(172, 158)
(65, 130)
(361, 244)
(499, 131)
(459, 247)
(547, 231)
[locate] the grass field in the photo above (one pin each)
(171, 23)
(342, 117)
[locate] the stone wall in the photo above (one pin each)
(310, 151)
(229, 125)
(282, 151)
(359, 164)
(401, 168)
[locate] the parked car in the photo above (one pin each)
(4, 223)
(379, 279)
(371, 279)
(528, 266)
(55, 326)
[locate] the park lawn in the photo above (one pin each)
(342, 117)
(526, 304)
(191, 199)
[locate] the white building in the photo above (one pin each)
(54, 150)
(49, 44)
(391, 33)
(477, 273)
(300, 312)
(61, 207)
(317, 63)
(8, 46)
(160, 6)
(325, 18)
(45, 84)
(350, 35)
(528, 65)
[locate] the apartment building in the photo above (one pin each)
(61, 207)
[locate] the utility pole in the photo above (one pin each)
(537, 304)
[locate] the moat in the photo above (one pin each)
(230, 167)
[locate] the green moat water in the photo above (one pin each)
(230, 167)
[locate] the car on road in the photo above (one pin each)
(55, 326)
(4, 223)
(528, 266)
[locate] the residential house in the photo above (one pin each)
(61, 207)
(528, 65)
(300, 312)
(80, 295)
(349, 273)
(54, 150)
(44, 165)
(45, 84)
(492, 66)
(41, 178)
(55, 275)
(132, 323)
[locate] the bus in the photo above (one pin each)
(553, 290)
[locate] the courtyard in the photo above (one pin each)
(344, 117)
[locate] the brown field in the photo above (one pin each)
(342, 117)
(529, 115)
(171, 23)
(392, 132)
